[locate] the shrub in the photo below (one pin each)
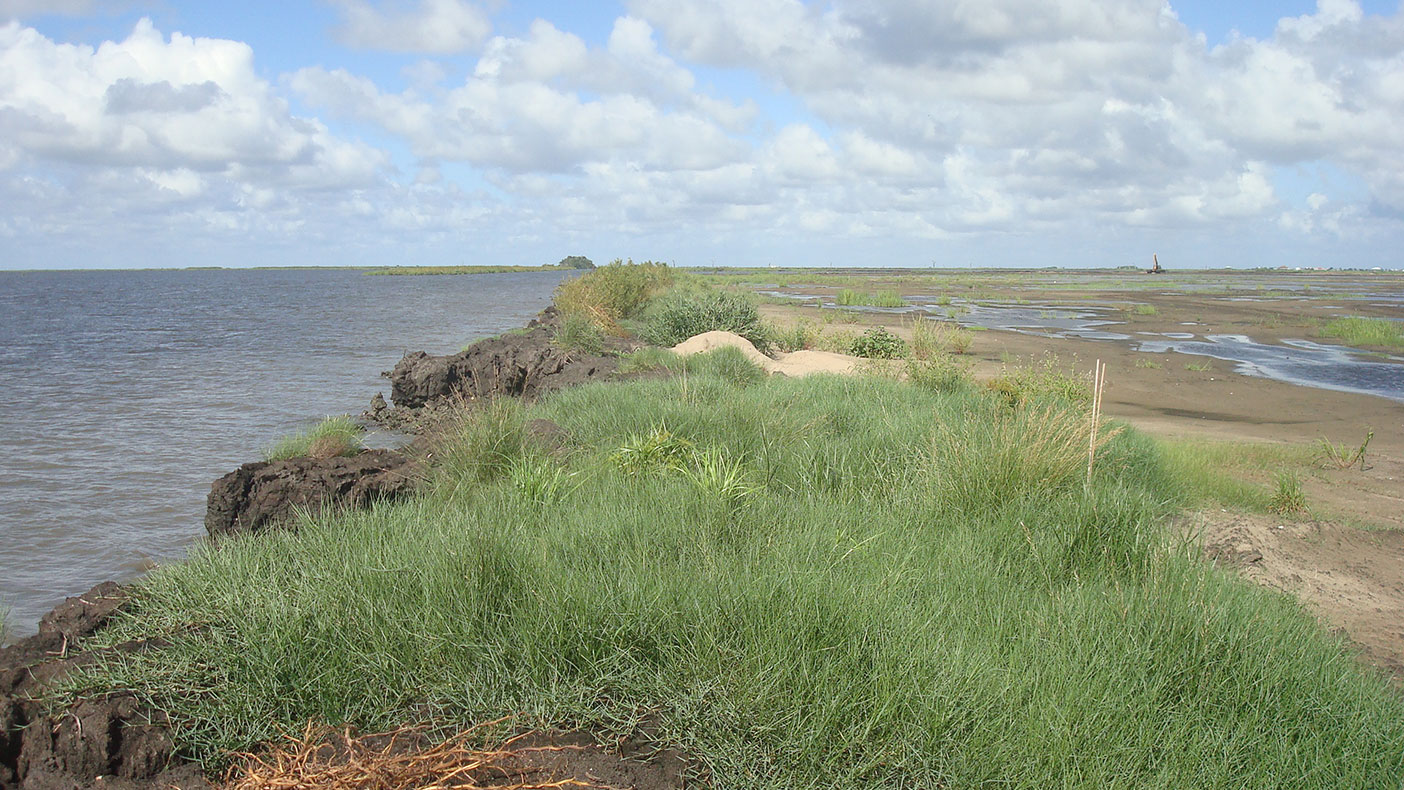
(681, 316)
(576, 262)
(612, 293)
(878, 343)
(332, 437)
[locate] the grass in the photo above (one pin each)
(851, 298)
(1229, 474)
(1198, 367)
(1288, 499)
(1145, 309)
(1360, 331)
(822, 582)
(931, 338)
(579, 334)
(329, 438)
(1044, 377)
(1342, 456)
(1148, 364)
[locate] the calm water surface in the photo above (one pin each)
(128, 393)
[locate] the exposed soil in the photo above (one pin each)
(261, 494)
(1347, 562)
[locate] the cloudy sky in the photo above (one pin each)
(739, 132)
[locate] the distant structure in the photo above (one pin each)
(1156, 268)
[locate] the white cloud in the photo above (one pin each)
(430, 26)
(151, 102)
(549, 103)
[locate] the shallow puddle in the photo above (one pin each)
(1296, 361)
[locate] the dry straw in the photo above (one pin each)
(326, 759)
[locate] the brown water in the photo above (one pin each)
(127, 393)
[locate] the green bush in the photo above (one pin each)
(680, 316)
(878, 343)
(610, 294)
(329, 438)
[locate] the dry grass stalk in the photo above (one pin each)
(1099, 380)
(326, 759)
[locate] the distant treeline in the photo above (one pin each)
(568, 262)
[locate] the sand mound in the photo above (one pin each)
(800, 363)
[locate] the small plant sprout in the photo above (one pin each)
(1341, 456)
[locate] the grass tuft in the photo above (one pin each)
(332, 437)
(680, 316)
(1288, 499)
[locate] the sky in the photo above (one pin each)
(910, 133)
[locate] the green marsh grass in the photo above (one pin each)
(851, 298)
(1360, 331)
(854, 582)
(331, 437)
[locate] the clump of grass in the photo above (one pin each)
(1361, 331)
(650, 358)
(798, 336)
(1288, 499)
(656, 451)
(681, 316)
(930, 338)
(332, 437)
(940, 373)
(612, 293)
(479, 443)
(728, 364)
(1043, 378)
(1198, 367)
(878, 343)
(1145, 309)
(1149, 364)
(851, 298)
(578, 333)
(1342, 456)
